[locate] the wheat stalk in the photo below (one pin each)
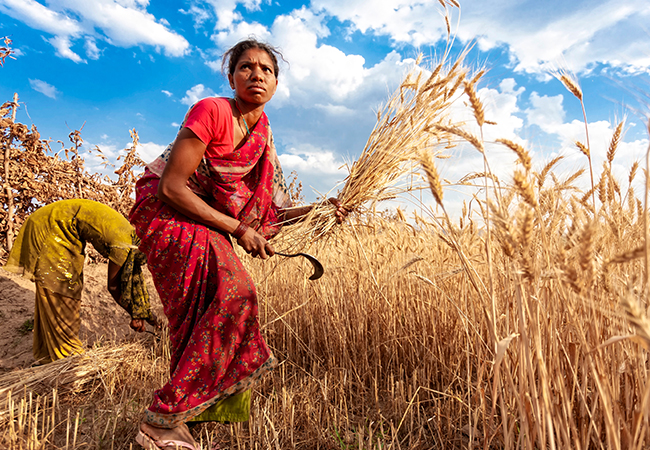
(522, 155)
(541, 177)
(569, 81)
(583, 149)
(477, 105)
(525, 189)
(616, 139)
(633, 169)
(432, 175)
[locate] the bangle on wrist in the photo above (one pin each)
(240, 230)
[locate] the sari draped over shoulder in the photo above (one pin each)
(246, 183)
(209, 298)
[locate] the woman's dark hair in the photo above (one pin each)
(232, 56)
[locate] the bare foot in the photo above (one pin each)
(180, 433)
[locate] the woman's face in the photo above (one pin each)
(254, 79)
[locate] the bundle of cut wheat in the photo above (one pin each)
(102, 365)
(415, 118)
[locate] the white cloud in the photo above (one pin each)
(124, 23)
(549, 115)
(43, 87)
(96, 164)
(317, 73)
(133, 3)
(627, 153)
(40, 17)
(316, 68)
(234, 33)
(148, 151)
(225, 12)
(167, 93)
(215, 66)
(254, 5)
(310, 160)
(335, 110)
(577, 34)
(320, 170)
(195, 94)
(325, 89)
(501, 106)
(222, 12)
(415, 22)
(92, 51)
(199, 15)
(62, 45)
(127, 26)
(546, 112)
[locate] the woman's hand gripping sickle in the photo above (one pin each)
(252, 242)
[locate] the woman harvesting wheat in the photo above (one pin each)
(49, 250)
(221, 177)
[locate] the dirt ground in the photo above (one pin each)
(101, 317)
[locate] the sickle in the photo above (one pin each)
(318, 267)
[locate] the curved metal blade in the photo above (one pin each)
(318, 267)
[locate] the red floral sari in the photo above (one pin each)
(208, 297)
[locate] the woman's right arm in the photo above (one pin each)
(185, 156)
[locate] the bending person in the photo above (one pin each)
(49, 250)
(219, 180)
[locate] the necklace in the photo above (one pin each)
(242, 117)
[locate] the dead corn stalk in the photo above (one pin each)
(7, 187)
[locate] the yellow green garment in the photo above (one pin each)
(49, 250)
(235, 408)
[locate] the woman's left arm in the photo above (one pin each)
(115, 289)
(292, 215)
(115, 280)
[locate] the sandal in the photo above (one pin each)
(148, 443)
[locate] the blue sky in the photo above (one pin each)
(114, 65)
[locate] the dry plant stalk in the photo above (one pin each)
(7, 142)
(5, 50)
(34, 175)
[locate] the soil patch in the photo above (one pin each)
(101, 318)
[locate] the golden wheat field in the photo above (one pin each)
(521, 324)
(396, 346)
